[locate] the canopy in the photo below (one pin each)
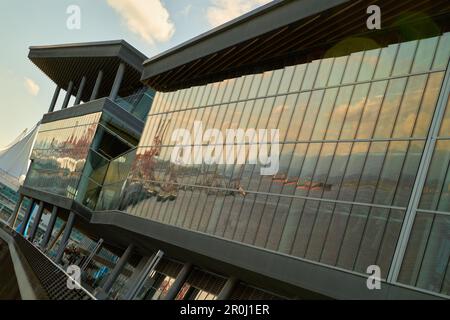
(15, 158)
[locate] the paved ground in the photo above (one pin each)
(9, 288)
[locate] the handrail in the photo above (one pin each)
(52, 277)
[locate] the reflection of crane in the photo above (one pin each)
(168, 189)
(155, 150)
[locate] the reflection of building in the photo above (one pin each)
(363, 180)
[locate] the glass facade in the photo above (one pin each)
(8, 200)
(75, 157)
(137, 103)
(353, 131)
(60, 153)
(160, 281)
(427, 259)
(201, 285)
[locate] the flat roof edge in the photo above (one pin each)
(267, 18)
(105, 49)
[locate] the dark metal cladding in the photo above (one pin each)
(71, 62)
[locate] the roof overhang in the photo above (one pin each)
(71, 62)
(290, 32)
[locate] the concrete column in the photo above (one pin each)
(117, 82)
(117, 269)
(68, 95)
(51, 225)
(54, 100)
(37, 219)
(80, 91)
(179, 282)
(227, 289)
(26, 218)
(15, 214)
(97, 85)
(65, 237)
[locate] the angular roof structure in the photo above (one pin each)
(288, 32)
(63, 63)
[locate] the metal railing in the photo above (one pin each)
(52, 278)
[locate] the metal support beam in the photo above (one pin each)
(227, 289)
(12, 220)
(80, 91)
(94, 252)
(54, 99)
(141, 275)
(50, 227)
(65, 238)
(37, 220)
(97, 85)
(179, 282)
(420, 179)
(117, 269)
(27, 216)
(57, 236)
(117, 81)
(68, 95)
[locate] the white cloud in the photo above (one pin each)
(147, 18)
(31, 86)
(186, 10)
(222, 11)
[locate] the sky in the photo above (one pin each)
(152, 26)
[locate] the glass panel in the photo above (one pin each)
(299, 113)
(310, 75)
(266, 78)
(297, 80)
(445, 127)
(443, 52)
(404, 59)
(353, 66)
(354, 112)
(390, 107)
(287, 80)
(406, 118)
(426, 260)
(386, 61)
(324, 73)
(323, 118)
(339, 113)
(371, 110)
(337, 72)
(425, 54)
(255, 86)
(311, 115)
(368, 65)
(275, 82)
(436, 191)
(245, 87)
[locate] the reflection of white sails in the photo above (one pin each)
(70, 164)
(15, 159)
